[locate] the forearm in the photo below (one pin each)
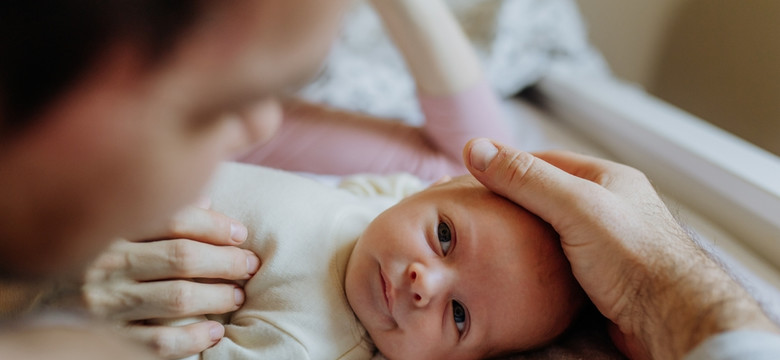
(685, 298)
(20, 297)
(434, 46)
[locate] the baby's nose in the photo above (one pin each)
(426, 283)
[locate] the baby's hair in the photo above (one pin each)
(572, 296)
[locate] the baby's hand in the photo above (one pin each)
(135, 281)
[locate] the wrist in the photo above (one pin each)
(685, 299)
(63, 294)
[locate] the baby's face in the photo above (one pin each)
(457, 272)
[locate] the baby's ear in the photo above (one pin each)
(442, 180)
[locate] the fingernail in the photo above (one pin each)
(252, 263)
(238, 232)
(482, 153)
(216, 331)
(238, 295)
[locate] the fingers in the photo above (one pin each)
(175, 342)
(538, 186)
(582, 166)
(134, 281)
(162, 299)
(206, 226)
(173, 259)
(188, 259)
(618, 178)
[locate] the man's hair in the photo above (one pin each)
(48, 45)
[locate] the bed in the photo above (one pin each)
(727, 191)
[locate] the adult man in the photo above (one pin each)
(110, 121)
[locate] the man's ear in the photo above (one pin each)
(442, 180)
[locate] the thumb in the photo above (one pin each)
(532, 183)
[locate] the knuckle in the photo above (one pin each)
(109, 262)
(183, 257)
(181, 298)
(96, 302)
(165, 342)
(604, 179)
(116, 257)
(111, 303)
(517, 166)
(617, 174)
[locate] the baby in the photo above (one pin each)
(450, 272)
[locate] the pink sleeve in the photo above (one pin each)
(328, 141)
(453, 120)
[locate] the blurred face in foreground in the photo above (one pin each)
(128, 144)
(457, 272)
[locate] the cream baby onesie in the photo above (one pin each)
(303, 232)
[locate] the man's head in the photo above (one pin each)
(129, 130)
(457, 272)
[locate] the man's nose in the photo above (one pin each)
(255, 125)
(262, 120)
(425, 283)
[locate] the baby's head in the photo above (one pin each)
(458, 272)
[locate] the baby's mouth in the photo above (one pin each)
(387, 292)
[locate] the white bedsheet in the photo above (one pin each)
(534, 129)
(518, 41)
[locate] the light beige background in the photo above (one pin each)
(718, 59)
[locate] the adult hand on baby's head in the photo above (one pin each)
(136, 281)
(632, 258)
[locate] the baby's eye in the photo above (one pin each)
(459, 315)
(445, 237)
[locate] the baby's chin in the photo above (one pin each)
(398, 353)
(394, 353)
(394, 346)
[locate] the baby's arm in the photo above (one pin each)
(313, 138)
(457, 102)
(434, 46)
